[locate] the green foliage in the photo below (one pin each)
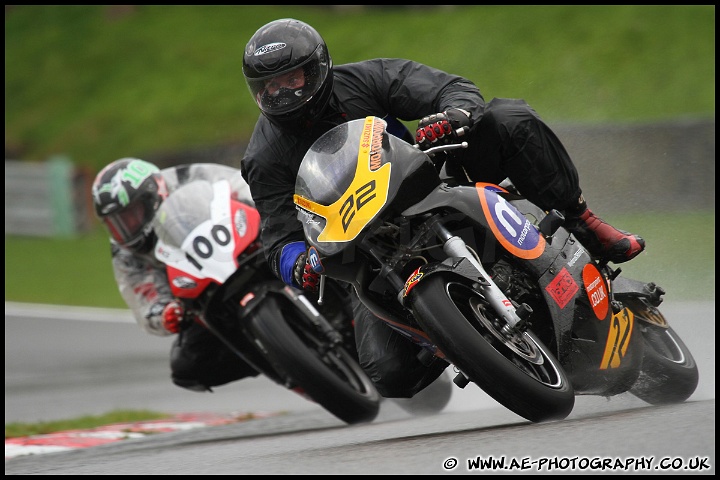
(13, 430)
(680, 257)
(61, 271)
(679, 254)
(103, 82)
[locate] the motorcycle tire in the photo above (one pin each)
(518, 372)
(669, 373)
(327, 375)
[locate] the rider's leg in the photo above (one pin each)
(512, 141)
(389, 359)
(199, 361)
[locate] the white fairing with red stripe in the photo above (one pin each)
(201, 231)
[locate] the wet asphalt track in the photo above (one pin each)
(63, 363)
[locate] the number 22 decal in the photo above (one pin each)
(348, 208)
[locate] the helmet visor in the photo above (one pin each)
(127, 226)
(289, 90)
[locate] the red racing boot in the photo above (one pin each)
(601, 239)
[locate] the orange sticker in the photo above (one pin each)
(596, 290)
(562, 288)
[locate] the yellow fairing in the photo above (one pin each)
(366, 195)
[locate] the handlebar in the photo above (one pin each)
(443, 148)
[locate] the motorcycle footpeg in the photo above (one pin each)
(655, 293)
(461, 380)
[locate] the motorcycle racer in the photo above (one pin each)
(126, 194)
(301, 95)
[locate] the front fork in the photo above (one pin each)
(454, 246)
(310, 312)
(515, 318)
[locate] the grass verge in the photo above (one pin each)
(680, 257)
(14, 430)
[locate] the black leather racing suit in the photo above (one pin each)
(507, 139)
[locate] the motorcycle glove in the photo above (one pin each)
(304, 275)
(172, 316)
(442, 128)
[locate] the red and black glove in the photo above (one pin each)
(172, 316)
(442, 128)
(304, 275)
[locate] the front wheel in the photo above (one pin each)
(327, 374)
(516, 370)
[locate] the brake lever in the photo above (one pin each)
(442, 148)
(321, 290)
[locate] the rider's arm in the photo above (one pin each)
(144, 288)
(281, 231)
(270, 167)
(406, 89)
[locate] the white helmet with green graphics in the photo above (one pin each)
(126, 194)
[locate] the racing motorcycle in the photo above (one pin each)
(216, 266)
(483, 279)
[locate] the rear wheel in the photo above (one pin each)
(327, 374)
(516, 369)
(669, 373)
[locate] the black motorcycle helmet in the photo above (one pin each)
(126, 195)
(288, 70)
